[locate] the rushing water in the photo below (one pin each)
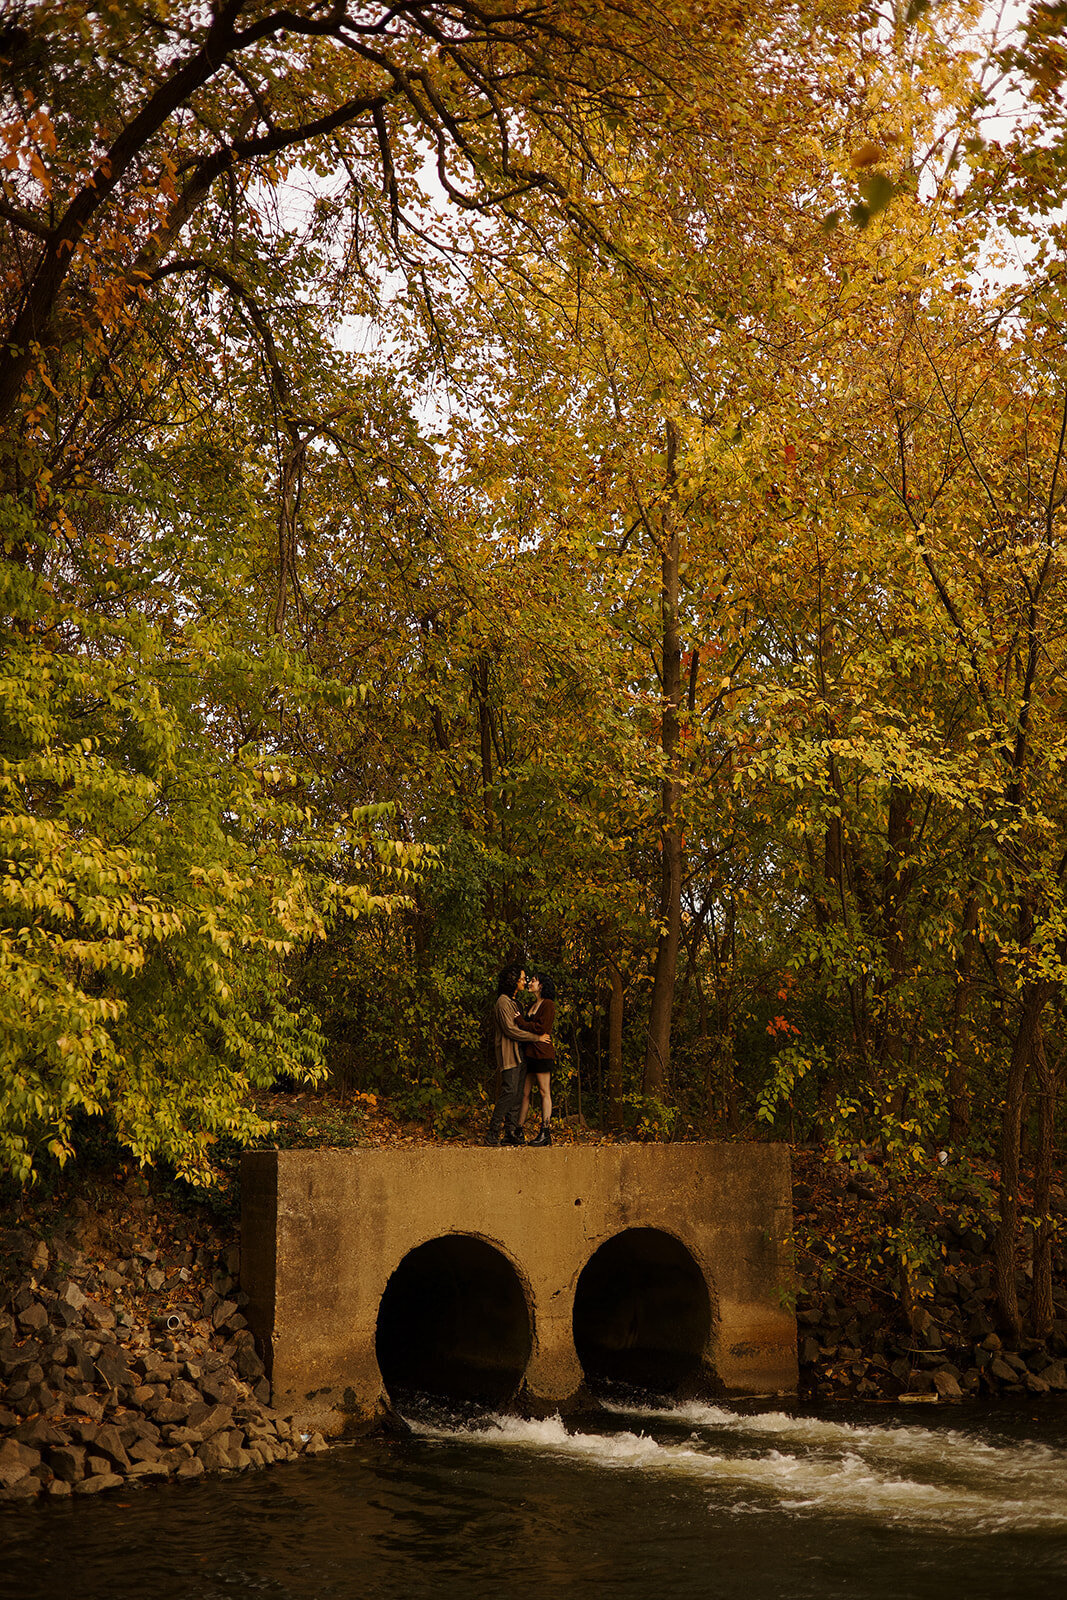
(695, 1500)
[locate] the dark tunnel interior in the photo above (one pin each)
(642, 1314)
(453, 1325)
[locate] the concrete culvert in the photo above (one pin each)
(642, 1314)
(453, 1324)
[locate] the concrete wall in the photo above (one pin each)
(323, 1232)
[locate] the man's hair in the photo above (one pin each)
(508, 981)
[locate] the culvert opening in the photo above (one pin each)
(453, 1326)
(642, 1314)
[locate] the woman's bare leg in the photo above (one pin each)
(544, 1083)
(526, 1097)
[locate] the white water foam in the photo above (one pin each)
(900, 1475)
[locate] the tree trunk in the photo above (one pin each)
(1042, 1310)
(959, 1110)
(658, 1050)
(1007, 1234)
(615, 1049)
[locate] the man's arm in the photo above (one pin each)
(507, 1015)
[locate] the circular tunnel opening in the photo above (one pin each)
(453, 1325)
(642, 1314)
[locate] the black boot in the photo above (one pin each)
(543, 1138)
(514, 1136)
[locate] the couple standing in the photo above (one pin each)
(524, 1053)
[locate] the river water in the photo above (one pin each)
(725, 1502)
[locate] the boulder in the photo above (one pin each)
(113, 1370)
(16, 1460)
(71, 1295)
(68, 1462)
(39, 1432)
(25, 1489)
(34, 1319)
(144, 1450)
(109, 1443)
(180, 1435)
(213, 1456)
(98, 1483)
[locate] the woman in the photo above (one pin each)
(540, 1054)
(511, 1036)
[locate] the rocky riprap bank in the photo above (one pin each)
(97, 1392)
(852, 1343)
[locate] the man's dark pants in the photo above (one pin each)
(508, 1106)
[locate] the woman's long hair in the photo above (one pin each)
(548, 988)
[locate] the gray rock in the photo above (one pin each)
(37, 1399)
(180, 1435)
(58, 1488)
(68, 1462)
(98, 1483)
(135, 1428)
(149, 1469)
(315, 1445)
(80, 1361)
(38, 1433)
(192, 1468)
(98, 1316)
(27, 1372)
(113, 1371)
(109, 1443)
(947, 1384)
(71, 1295)
(221, 1388)
(25, 1489)
(217, 1418)
(213, 1456)
(144, 1450)
(16, 1460)
(170, 1411)
(249, 1365)
(34, 1319)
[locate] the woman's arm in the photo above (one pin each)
(532, 1019)
(508, 1015)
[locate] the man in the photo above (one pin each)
(508, 1041)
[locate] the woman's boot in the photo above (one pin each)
(543, 1138)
